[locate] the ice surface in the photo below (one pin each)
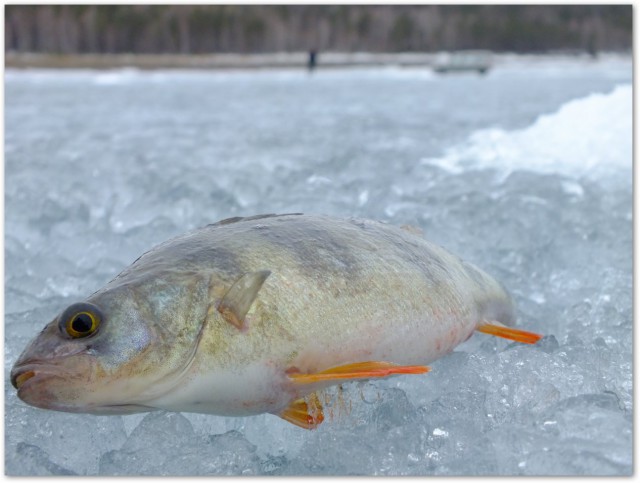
(573, 141)
(525, 171)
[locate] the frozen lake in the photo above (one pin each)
(526, 172)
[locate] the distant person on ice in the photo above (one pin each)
(312, 60)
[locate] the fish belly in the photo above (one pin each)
(241, 391)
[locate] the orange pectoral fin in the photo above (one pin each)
(509, 333)
(359, 370)
(303, 415)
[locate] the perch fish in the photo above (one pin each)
(257, 314)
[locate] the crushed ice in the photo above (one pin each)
(525, 171)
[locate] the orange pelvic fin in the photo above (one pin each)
(304, 415)
(510, 333)
(359, 370)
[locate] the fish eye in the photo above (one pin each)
(80, 320)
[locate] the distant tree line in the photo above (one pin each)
(275, 28)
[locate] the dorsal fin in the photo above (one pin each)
(412, 229)
(237, 301)
(235, 219)
(227, 221)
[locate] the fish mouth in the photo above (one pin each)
(23, 373)
(17, 380)
(46, 384)
(36, 385)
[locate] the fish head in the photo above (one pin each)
(109, 354)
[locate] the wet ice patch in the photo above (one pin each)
(591, 137)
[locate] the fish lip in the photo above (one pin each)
(42, 370)
(18, 379)
(36, 370)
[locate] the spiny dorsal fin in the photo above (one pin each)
(235, 219)
(227, 221)
(412, 229)
(237, 301)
